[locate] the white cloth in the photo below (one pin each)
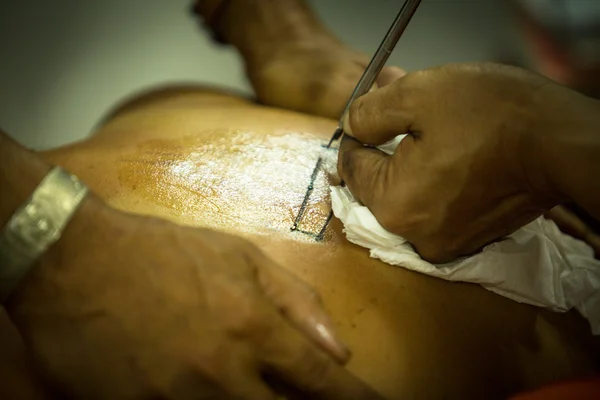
(537, 265)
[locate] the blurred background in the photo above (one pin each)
(64, 63)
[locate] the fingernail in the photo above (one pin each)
(346, 124)
(374, 87)
(339, 349)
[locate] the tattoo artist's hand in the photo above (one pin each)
(571, 224)
(130, 307)
(316, 77)
(474, 165)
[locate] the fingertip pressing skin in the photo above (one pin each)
(295, 360)
(320, 323)
(302, 305)
(309, 316)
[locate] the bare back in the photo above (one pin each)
(204, 158)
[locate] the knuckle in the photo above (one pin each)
(244, 320)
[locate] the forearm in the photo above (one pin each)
(20, 172)
(257, 28)
(574, 160)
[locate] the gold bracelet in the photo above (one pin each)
(36, 225)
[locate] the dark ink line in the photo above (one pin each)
(318, 237)
(324, 228)
(309, 190)
(336, 135)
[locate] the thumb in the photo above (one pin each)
(363, 169)
(378, 116)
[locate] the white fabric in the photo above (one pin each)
(537, 265)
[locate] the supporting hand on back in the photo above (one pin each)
(127, 306)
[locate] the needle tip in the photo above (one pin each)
(336, 135)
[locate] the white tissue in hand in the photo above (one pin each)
(537, 265)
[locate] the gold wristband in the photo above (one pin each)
(36, 225)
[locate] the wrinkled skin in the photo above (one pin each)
(315, 77)
(144, 308)
(473, 167)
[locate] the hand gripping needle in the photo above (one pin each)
(379, 58)
(364, 84)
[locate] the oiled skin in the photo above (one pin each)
(412, 336)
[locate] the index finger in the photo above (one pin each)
(379, 116)
(300, 304)
(297, 361)
(364, 169)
